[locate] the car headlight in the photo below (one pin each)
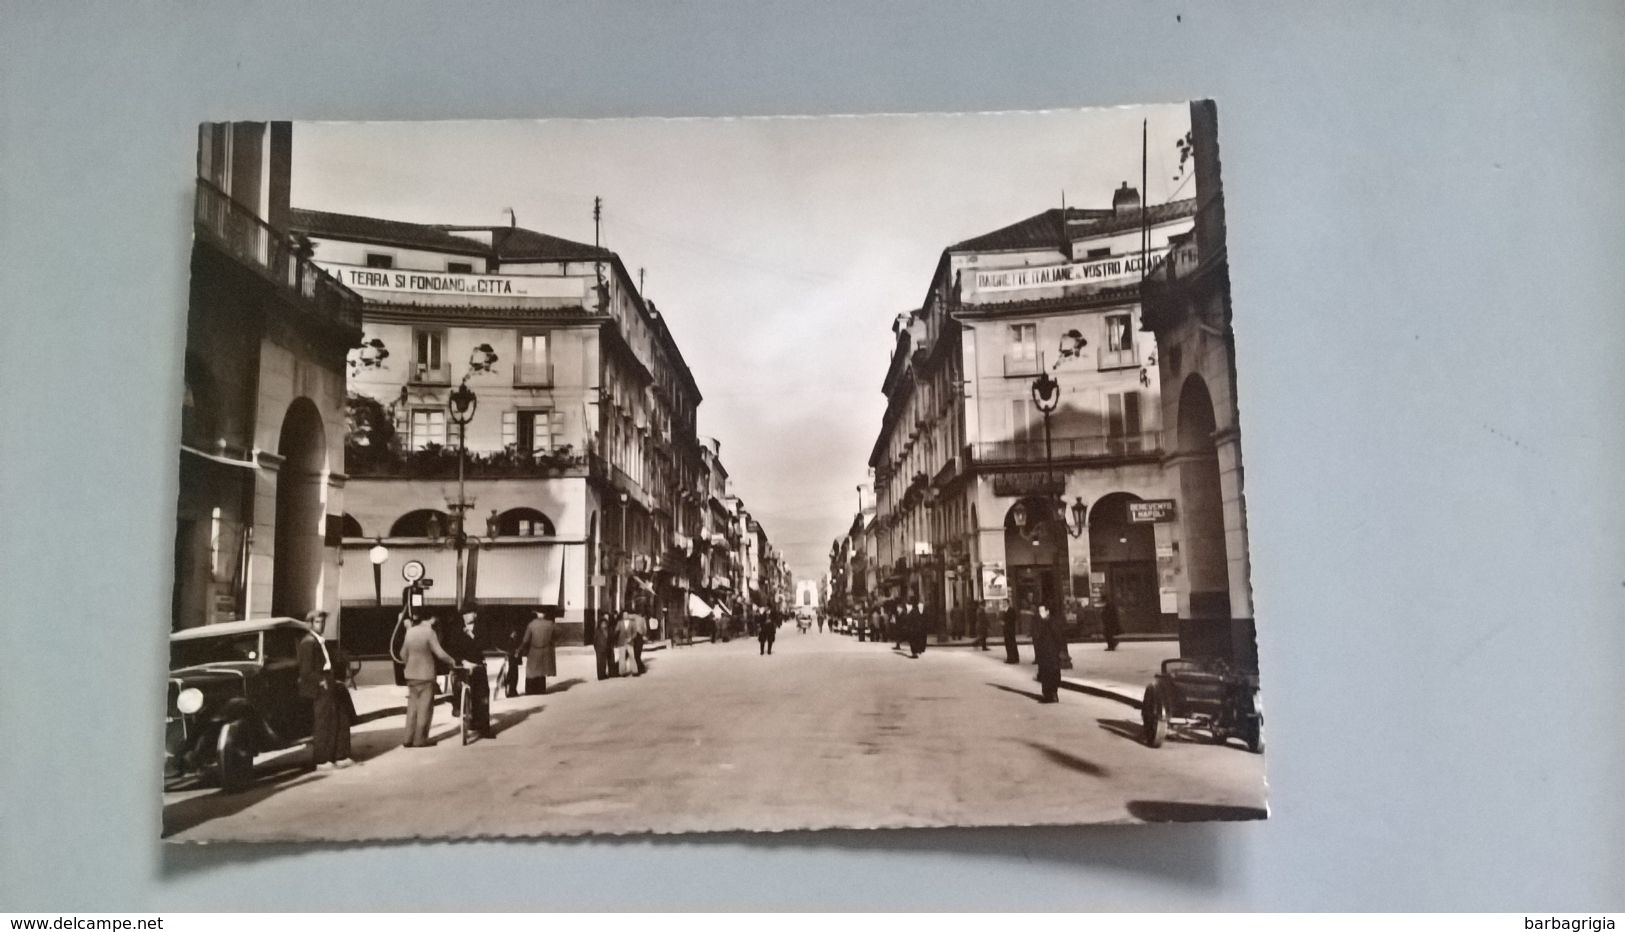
(189, 701)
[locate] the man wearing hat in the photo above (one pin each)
(536, 646)
(321, 684)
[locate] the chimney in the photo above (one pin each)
(1126, 201)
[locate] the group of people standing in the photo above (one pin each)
(617, 644)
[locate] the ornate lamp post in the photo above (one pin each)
(463, 402)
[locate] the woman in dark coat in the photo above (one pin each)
(1012, 618)
(603, 644)
(537, 649)
(1047, 646)
(916, 629)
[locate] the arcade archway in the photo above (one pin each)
(1035, 552)
(297, 574)
(1125, 554)
(1201, 500)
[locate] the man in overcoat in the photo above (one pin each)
(603, 644)
(536, 646)
(1047, 642)
(330, 739)
(916, 628)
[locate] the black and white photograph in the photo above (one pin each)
(623, 476)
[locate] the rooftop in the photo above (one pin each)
(508, 243)
(1053, 230)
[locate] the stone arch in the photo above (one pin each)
(524, 522)
(300, 513)
(352, 527)
(1035, 553)
(424, 522)
(1125, 555)
(1201, 502)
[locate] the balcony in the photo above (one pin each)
(240, 233)
(440, 462)
(1119, 359)
(533, 376)
(1065, 449)
(425, 374)
(1018, 367)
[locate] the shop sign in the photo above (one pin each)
(995, 585)
(1060, 276)
(1156, 511)
(456, 284)
(1018, 484)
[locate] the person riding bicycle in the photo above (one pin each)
(461, 644)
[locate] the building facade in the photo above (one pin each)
(1025, 381)
(1187, 307)
(263, 417)
(570, 480)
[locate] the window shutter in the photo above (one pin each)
(1114, 414)
(557, 419)
(1131, 413)
(1018, 421)
(510, 428)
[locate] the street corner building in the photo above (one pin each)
(1061, 428)
(263, 416)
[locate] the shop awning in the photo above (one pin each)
(698, 607)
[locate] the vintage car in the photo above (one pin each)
(233, 693)
(1208, 694)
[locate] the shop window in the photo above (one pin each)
(523, 522)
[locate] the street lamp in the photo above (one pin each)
(626, 561)
(463, 402)
(378, 555)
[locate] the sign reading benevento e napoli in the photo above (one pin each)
(1072, 273)
(455, 283)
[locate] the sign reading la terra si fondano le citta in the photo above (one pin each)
(1071, 273)
(459, 284)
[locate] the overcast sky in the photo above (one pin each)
(779, 250)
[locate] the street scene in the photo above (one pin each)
(571, 477)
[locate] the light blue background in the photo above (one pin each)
(1425, 236)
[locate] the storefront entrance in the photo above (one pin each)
(1126, 555)
(1035, 550)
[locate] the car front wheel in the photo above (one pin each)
(234, 754)
(1154, 717)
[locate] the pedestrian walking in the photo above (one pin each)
(603, 644)
(419, 651)
(1047, 647)
(1012, 621)
(510, 678)
(536, 646)
(640, 634)
(917, 630)
(1110, 626)
(330, 738)
(766, 632)
(625, 662)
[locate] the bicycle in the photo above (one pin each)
(465, 698)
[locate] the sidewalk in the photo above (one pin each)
(1120, 675)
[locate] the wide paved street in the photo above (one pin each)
(827, 732)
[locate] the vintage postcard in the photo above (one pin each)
(648, 476)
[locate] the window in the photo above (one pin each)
(533, 368)
(1100, 253)
(1024, 341)
(532, 431)
(428, 356)
(428, 426)
(379, 260)
(1118, 351)
(1123, 421)
(460, 268)
(1021, 351)
(1024, 421)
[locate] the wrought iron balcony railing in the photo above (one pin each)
(1064, 448)
(239, 231)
